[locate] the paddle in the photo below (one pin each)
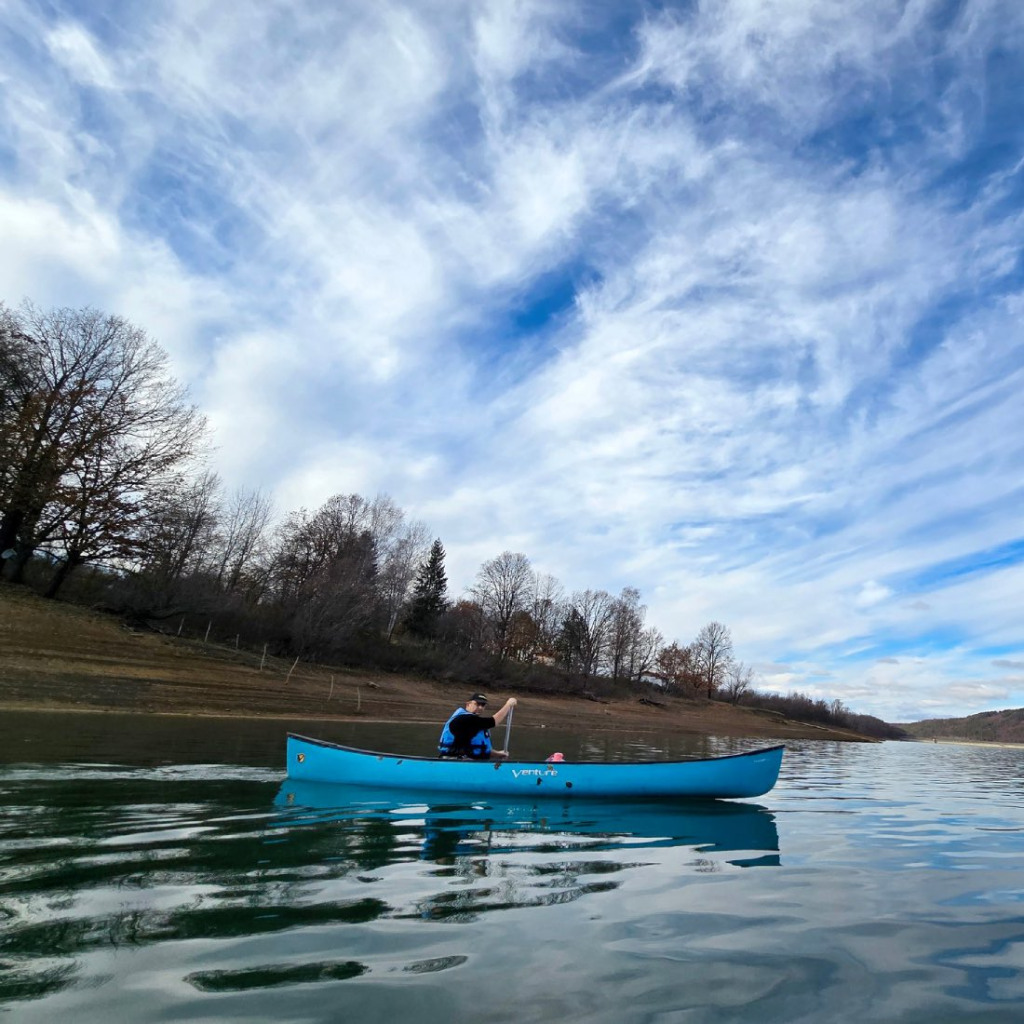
(508, 727)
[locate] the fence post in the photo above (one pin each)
(207, 637)
(264, 658)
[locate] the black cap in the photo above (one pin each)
(479, 698)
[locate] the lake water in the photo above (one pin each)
(163, 870)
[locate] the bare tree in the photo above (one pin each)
(349, 566)
(92, 423)
(503, 586)
(400, 546)
(325, 571)
(308, 543)
(113, 489)
(644, 654)
(547, 610)
(626, 629)
(713, 651)
(18, 395)
(245, 524)
(339, 602)
(594, 611)
(739, 680)
(386, 520)
(179, 534)
(403, 553)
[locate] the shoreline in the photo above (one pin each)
(953, 741)
(728, 721)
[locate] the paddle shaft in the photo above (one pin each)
(508, 727)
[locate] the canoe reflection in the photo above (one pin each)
(451, 825)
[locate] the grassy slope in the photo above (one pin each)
(57, 656)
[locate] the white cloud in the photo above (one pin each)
(784, 392)
(872, 593)
(73, 48)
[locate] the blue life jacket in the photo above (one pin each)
(479, 745)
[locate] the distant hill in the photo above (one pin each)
(991, 726)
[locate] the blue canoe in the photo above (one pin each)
(735, 775)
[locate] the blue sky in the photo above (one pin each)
(718, 300)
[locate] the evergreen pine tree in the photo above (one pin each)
(570, 640)
(429, 595)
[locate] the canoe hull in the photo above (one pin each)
(734, 776)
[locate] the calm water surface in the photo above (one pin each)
(163, 870)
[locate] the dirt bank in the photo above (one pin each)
(59, 657)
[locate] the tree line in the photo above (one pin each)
(105, 494)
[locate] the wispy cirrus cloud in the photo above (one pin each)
(718, 300)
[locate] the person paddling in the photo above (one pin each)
(467, 732)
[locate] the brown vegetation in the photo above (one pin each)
(60, 657)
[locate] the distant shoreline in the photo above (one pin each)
(949, 740)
